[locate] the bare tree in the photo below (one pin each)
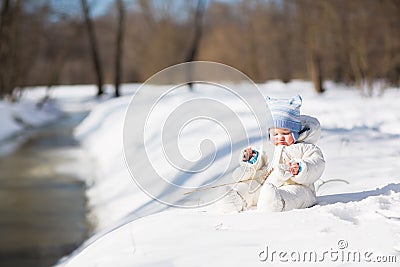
(250, 34)
(310, 14)
(4, 40)
(391, 68)
(119, 46)
(198, 31)
(9, 66)
(93, 47)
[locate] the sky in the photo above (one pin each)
(100, 7)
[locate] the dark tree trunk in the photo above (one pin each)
(4, 30)
(315, 69)
(93, 47)
(309, 24)
(9, 45)
(198, 31)
(119, 47)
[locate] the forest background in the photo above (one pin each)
(53, 42)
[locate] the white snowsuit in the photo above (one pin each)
(283, 191)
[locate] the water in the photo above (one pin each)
(42, 203)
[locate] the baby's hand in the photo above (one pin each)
(294, 168)
(247, 154)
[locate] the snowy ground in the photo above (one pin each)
(357, 215)
(17, 118)
(356, 220)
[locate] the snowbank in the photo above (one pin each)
(358, 193)
(340, 234)
(31, 112)
(9, 125)
(18, 117)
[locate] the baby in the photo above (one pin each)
(296, 165)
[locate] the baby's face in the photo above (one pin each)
(281, 136)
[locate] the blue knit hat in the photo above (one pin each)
(286, 113)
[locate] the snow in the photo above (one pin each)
(23, 115)
(30, 112)
(358, 209)
(8, 124)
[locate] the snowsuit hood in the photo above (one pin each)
(310, 130)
